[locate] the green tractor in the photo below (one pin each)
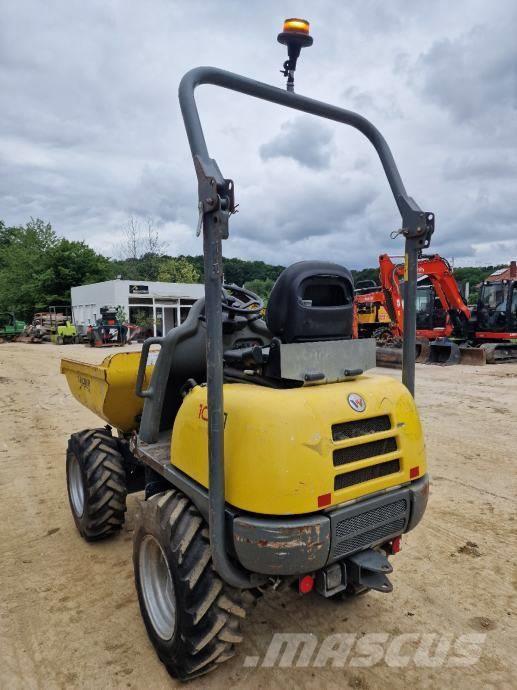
(10, 327)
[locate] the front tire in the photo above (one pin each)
(96, 482)
(191, 616)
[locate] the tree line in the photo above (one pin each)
(38, 268)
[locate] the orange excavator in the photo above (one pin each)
(446, 329)
(442, 316)
(443, 320)
(441, 310)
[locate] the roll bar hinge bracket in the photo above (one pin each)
(417, 225)
(216, 195)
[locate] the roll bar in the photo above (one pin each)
(216, 202)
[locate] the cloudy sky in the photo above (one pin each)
(91, 133)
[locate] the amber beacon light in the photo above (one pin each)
(295, 35)
(300, 25)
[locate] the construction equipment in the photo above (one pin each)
(447, 332)
(266, 454)
(53, 325)
(441, 312)
(61, 326)
(440, 308)
(108, 331)
(494, 326)
(371, 308)
(10, 327)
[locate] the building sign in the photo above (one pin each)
(138, 289)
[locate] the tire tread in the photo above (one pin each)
(209, 610)
(106, 489)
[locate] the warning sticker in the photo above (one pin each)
(151, 359)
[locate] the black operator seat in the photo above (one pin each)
(312, 301)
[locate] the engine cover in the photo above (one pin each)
(299, 450)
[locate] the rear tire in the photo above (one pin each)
(96, 482)
(191, 616)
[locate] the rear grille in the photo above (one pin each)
(365, 474)
(360, 427)
(361, 521)
(342, 456)
(364, 528)
(374, 536)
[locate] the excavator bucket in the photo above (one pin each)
(475, 356)
(390, 357)
(443, 352)
(423, 349)
(499, 352)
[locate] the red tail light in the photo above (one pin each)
(306, 584)
(396, 545)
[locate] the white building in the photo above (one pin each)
(165, 304)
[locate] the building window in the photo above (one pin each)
(140, 300)
(143, 316)
(187, 302)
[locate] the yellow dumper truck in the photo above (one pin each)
(266, 454)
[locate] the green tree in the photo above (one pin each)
(366, 274)
(37, 268)
(70, 263)
(24, 265)
(262, 288)
(239, 271)
(178, 270)
(122, 316)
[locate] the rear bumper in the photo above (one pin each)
(293, 546)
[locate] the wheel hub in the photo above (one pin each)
(157, 587)
(76, 486)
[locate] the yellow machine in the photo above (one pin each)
(266, 453)
(108, 389)
(268, 471)
(271, 472)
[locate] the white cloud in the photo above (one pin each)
(91, 130)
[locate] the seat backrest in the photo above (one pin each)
(312, 300)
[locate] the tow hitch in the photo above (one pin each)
(366, 569)
(369, 568)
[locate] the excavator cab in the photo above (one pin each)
(495, 323)
(430, 313)
(497, 307)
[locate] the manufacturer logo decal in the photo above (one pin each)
(84, 382)
(356, 402)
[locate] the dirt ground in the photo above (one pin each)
(69, 613)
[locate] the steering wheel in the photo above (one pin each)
(248, 303)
